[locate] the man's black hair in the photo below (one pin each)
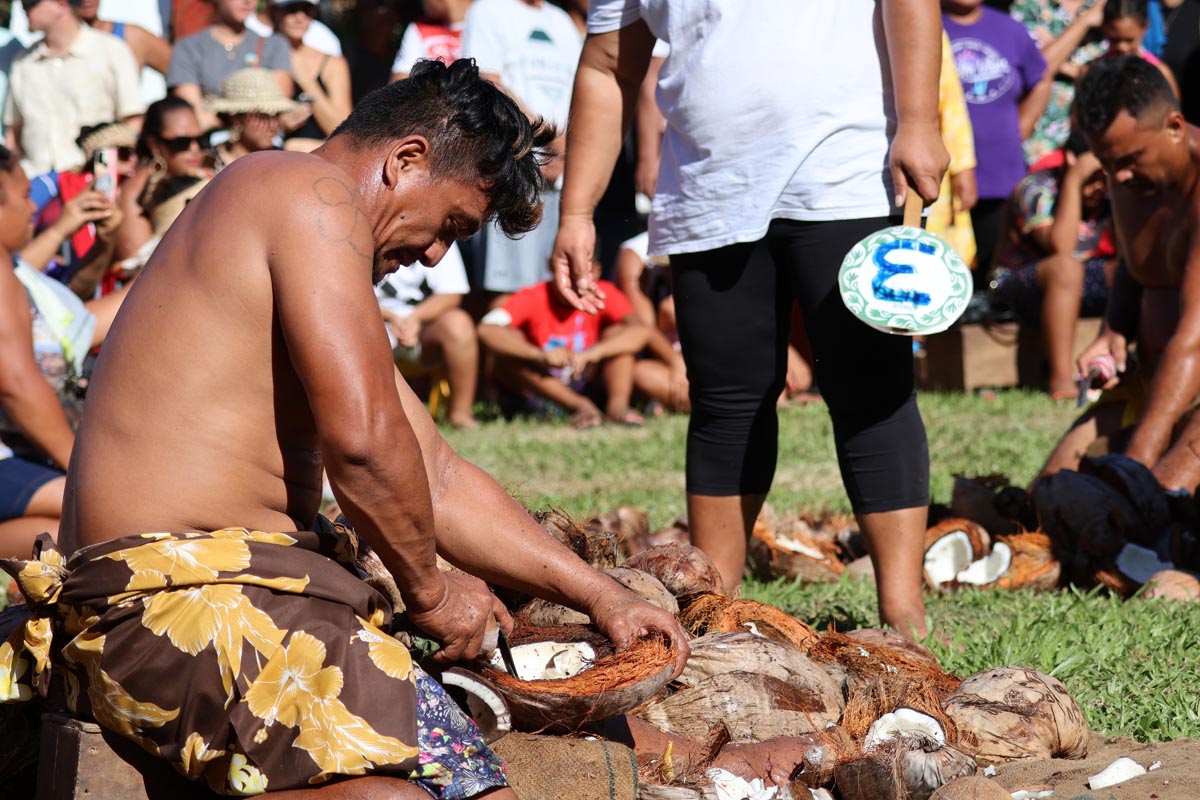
(8, 162)
(475, 132)
(1138, 9)
(1112, 85)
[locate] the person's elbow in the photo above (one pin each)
(360, 441)
(19, 378)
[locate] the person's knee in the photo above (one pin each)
(47, 501)
(454, 333)
(1060, 272)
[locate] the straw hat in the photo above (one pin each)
(115, 134)
(167, 209)
(252, 90)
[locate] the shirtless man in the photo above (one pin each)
(252, 353)
(1131, 120)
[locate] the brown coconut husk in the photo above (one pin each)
(712, 613)
(885, 637)
(682, 568)
(1013, 713)
(614, 684)
(976, 499)
(754, 707)
(872, 699)
(981, 542)
(597, 547)
(789, 549)
(543, 613)
(742, 651)
(865, 661)
(675, 534)
(1033, 563)
(971, 787)
(901, 771)
(626, 521)
(1117, 582)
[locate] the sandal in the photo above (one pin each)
(582, 420)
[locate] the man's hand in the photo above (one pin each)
(106, 226)
(918, 159)
(462, 619)
(87, 206)
(1108, 344)
(1094, 14)
(556, 358)
(645, 176)
(571, 263)
(1081, 167)
(407, 331)
(624, 617)
(680, 396)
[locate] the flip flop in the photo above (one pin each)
(583, 420)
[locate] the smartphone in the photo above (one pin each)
(104, 171)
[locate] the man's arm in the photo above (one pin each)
(1176, 382)
(507, 341)
(1058, 52)
(611, 68)
(918, 157)
(627, 336)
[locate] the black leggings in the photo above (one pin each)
(733, 307)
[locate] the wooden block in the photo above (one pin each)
(968, 357)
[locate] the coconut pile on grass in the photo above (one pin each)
(865, 714)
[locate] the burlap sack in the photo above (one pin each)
(552, 768)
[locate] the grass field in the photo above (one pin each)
(1134, 666)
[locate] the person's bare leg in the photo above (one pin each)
(1061, 282)
(1100, 421)
(521, 377)
(618, 387)
(721, 526)
(41, 516)
(1179, 467)
(652, 378)
(375, 787)
(895, 540)
(451, 340)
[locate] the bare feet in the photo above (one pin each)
(463, 423)
(627, 417)
(587, 418)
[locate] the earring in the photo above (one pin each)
(158, 164)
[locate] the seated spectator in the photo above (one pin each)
(436, 35)
(250, 106)
(322, 80)
(45, 333)
(422, 307)
(92, 213)
(171, 144)
(318, 35)
(1124, 30)
(73, 78)
(1059, 256)
(546, 350)
(202, 61)
(165, 203)
(149, 50)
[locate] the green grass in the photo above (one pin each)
(1133, 666)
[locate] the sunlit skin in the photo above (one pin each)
(1150, 156)
(234, 13)
(178, 125)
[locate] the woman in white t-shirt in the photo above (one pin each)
(778, 157)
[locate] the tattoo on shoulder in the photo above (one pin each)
(340, 219)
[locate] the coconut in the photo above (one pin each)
(988, 569)
(681, 568)
(714, 613)
(627, 522)
(885, 637)
(753, 707)
(865, 661)
(1012, 713)
(874, 700)
(795, 548)
(905, 756)
(583, 689)
(977, 536)
(975, 499)
(545, 613)
(971, 787)
(1033, 563)
(742, 651)
(1172, 584)
(596, 547)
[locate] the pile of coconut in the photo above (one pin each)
(765, 699)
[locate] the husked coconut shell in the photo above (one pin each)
(645, 586)
(714, 613)
(975, 499)
(885, 637)
(742, 651)
(902, 770)
(1012, 713)
(870, 701)
(792, 548)
(1110, 577)
(823, 751)
(971, 787)
(1033, 563)
(627, 522)
(987, 570)
(1172, 584)
(609, 686)
(681, 568)
(544, 613)
(977, 535)
(753, 707)
(664, 536)
(596, 547)
(865, 661)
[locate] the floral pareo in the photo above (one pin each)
(1046, 20)
(246, 659)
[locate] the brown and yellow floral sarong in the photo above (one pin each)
(246, 659)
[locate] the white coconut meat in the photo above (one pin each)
(947, 557)
(793, 545)
(906, 724)
(1118, 771)
(989, 568)
(1140, 563)
(546, 661)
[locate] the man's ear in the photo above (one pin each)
(1175, 125)
(405, 156)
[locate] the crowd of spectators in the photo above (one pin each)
(116, 113)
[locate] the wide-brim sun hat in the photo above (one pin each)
(249, 91)
(116, 134)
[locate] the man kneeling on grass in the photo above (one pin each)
(241, 365)
(549, 350)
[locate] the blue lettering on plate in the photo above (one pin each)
(888, 269)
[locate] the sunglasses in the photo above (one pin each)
(181, 144)
(284, 9)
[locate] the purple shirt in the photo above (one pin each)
(998, 63)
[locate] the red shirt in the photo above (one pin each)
(550, 324)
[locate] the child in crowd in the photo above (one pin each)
(546, 349)
(1058, 256)
(436, 35)
(1126, 23)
